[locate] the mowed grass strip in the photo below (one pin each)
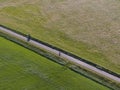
(87, 28)
(21, 69)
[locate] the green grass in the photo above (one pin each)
(21, 69)
(89, 29)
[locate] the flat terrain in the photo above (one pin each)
(88, 28)
(62, 55)
(21, 69)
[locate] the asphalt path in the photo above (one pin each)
(62, 55)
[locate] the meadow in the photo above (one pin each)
(21, 69)
(87, 28)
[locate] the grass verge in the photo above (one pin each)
(22, 69)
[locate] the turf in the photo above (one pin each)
(21, 69)
(87, 28)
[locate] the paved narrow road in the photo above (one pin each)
(62, 55)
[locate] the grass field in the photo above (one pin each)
(21, 69)
(88, 28)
